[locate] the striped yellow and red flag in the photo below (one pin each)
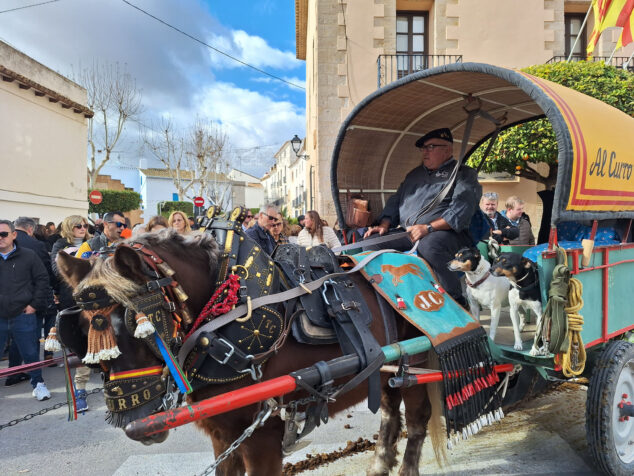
(626, 35)
(610, 13)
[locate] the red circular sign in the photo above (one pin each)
(95, 197)
(199, 201)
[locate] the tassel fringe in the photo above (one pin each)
(144, 327)
(52, 344)
(101, 342)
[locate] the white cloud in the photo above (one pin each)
(250, 49)
(294, 80)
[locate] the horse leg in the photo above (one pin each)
(417, 415)
(233, 465)
(385, 454)
(262, 452)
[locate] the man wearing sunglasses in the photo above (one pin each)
(23, 291)
(113, 225)
(440, 230)
(260, 231)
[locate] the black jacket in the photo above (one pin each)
(23, 281)
(262, 237)
(25, 241)
(65, 294)
(509, 232)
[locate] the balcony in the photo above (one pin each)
(393, 67)
(616, 61)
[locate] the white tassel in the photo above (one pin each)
(52, 344)
(144, 327)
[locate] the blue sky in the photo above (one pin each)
(180, 79)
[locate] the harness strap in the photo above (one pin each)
(240, 311)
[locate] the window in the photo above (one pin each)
(572, 30)
(411, 42)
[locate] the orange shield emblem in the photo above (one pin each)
(429, 300)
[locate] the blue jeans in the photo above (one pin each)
(23, 329)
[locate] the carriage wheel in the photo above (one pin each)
(609, 412)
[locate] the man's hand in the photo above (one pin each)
(416, 232)
(29, 309)
(381, 230)
(497, 232)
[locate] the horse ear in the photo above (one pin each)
(72, 269)
(128, 263)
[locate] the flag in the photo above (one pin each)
(610, 13)
(626, 35)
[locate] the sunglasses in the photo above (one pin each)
(272, 217)
(249, 216)
(431, 147)
(118, 224)
(276, 224)
(4, 234)
(79, 227)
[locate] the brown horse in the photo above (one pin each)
(195, 260)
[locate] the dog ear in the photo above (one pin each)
(128, 263)
(72, 269)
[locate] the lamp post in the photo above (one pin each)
(296, 144)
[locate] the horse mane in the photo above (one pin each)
(192, 248)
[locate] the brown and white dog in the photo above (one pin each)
(525, 292)
(484, 289)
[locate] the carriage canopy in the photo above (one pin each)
(375, 146)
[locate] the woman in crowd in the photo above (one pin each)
(74, 231)
(315, 233)
(276, 228)
(156, 223)
(179, 222)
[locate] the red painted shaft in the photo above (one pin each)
(437, 376)
(222, 403)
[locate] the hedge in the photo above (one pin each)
(116, 200)
(166, 208)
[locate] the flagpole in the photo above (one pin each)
(613, 51)
(626, 65)
(580, 30)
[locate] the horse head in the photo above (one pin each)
(115, 298)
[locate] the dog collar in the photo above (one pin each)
(479, 282)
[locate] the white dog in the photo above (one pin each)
(485, 289)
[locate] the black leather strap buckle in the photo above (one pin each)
(158, 284)
(229, 350)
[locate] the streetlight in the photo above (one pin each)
(296, 144)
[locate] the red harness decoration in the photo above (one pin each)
(230, 287)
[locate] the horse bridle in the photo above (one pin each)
(131, 389)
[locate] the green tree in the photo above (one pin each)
(116, 200)
(519, 148)
(166, 208)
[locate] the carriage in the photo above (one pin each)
(476, 102)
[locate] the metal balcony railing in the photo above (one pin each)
(616, 61)
(392, 67)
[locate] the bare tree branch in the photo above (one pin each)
(113, 95)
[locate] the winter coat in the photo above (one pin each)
(23, 282)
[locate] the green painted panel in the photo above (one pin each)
(620, 291)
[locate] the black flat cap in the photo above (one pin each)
(444, 134)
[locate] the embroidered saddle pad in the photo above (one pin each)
(469, 379)
(409, 285)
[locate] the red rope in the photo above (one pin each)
(213, 308)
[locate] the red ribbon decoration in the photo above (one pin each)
(230, 287)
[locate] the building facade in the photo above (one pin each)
(285, 183)
(353, 47)
(43, 140)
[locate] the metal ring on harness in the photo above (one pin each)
(249, 312)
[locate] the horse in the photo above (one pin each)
(195, 260)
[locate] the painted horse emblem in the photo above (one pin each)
(398, 272)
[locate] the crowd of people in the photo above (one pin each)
(32, 290)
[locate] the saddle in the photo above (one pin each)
(314, 324)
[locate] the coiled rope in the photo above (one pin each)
(573, 360)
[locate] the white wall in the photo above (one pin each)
(42, 145)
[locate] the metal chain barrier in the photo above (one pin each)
(259, 420)
(42, 411)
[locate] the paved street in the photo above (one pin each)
(543, 437)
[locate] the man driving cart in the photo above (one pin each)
(435, 215)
